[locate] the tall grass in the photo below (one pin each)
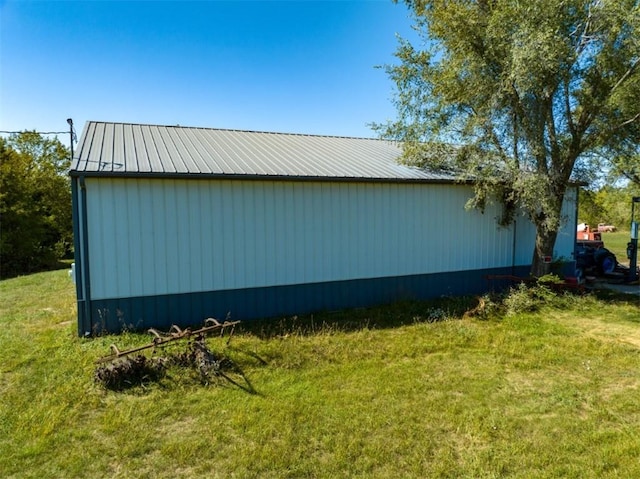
(411, 390)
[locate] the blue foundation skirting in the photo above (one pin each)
(191, 309)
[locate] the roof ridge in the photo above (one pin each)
(141, 150)
(238, 130)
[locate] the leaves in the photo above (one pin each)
(35, 203)
(522, 94)
(627, 167)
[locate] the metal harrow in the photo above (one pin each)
(174, 334)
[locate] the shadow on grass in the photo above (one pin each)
(54, 266)
(241, 382)
(397, 314)
(613, 296)
(380, 317)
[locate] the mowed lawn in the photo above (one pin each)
(380, 393)
(617, 243)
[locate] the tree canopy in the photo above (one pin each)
(35, 203)
(522, 96)
(628, 168)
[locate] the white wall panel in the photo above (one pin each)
(152, 236)
(565, 242)
(525, 240)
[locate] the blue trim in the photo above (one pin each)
(85, 249)
(78, 258)
(138, 313)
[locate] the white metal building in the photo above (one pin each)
(173, 225)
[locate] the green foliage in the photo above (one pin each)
(627, 167)
(609, 204)
(35, 203)
(526, 94)
(525, 298)
(531, 297)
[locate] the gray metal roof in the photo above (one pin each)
(123, 149)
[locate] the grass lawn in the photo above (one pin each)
(617, 243)
(382, 393)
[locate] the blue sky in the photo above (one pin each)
(294, 66)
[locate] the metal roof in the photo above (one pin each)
(124, 149)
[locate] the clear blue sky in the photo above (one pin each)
(294, 66)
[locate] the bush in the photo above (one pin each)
(531, 297)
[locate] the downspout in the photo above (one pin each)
(85, 240)
(81, 246)
(78, 255)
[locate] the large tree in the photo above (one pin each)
(521, 96)
(35, 203)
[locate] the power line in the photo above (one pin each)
(72, 133)
(38, 132)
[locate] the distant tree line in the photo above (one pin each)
(608, 204)
(35, 204)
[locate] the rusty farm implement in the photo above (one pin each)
(125, 368)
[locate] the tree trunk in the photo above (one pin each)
(543, 252)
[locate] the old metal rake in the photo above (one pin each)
(174, 334)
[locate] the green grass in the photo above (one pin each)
(379, 393)
(617, 243)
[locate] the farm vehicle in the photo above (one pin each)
(593, 259)
(605, 228)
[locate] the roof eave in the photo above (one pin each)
(256, 177)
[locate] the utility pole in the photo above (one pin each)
(71, 135)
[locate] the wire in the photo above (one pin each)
(74, 137)
(38, 132)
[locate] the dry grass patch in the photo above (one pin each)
(601, 328)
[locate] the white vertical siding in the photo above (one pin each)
(156, 236)
(525, 240)
(565, 242)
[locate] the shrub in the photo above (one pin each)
(531, 297)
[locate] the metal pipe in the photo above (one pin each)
(158, 340)
(88, 323)
(71, 136)
(633, 244)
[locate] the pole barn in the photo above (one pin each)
(173, 225)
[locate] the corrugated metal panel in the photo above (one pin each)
(111, 149)
(169, 236)
(189, 309)
(565, 242)
(525, 239)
